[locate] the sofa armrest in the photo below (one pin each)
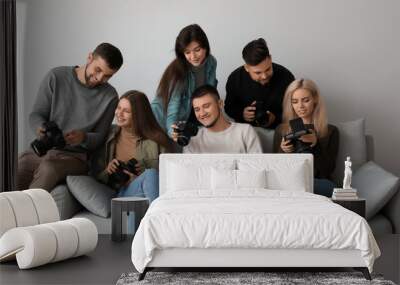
(376, 185)
(392, 211)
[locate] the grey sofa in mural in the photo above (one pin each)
(379, 187)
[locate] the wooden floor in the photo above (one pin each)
(111, 259)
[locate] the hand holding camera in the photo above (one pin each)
(287, 146)
(112, 166)
(40, 132)
(174, 133)
(183, 131)
(271, 118)
(50, 136)
(121, 172)
(249, 112)
(258, 112)
(311, 138)
(301, 138)
(262, 116)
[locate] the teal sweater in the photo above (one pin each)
(179, 105)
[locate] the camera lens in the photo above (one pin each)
(39, 147)
(185, 131)
(131, 166)
(261, 116)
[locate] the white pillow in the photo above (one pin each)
(251, 178)
(226, 179)
(190, 176)
(183, 178)
(281, 174)
(291, 179)
(223, 179)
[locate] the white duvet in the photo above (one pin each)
(250, 219)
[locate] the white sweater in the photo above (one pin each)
(237, 138)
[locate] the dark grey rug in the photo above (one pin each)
(231, 278)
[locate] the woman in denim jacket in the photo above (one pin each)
(193, 66)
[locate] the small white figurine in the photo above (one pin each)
(347, 174)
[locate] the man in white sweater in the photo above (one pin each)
(218, 135)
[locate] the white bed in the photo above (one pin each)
(235, 210)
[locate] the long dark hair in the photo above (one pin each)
(179, 67)
(143, 121)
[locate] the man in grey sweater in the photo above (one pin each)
(82, 104)
(218, 135)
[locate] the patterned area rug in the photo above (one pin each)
(231, 278)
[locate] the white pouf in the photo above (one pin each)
(31, 232)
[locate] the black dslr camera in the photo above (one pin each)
(261, 116)
(53, 138)
(185, 131)
(119, 176)
(298, 130)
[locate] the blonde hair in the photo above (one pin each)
(319, 115)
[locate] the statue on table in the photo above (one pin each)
(347, 174)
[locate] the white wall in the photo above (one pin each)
(350, 48)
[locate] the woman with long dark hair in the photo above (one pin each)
(137, 136)
(193, 66)
(303, 100)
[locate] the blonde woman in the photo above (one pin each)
(303, 100)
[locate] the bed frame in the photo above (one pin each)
(241, 259)
(256, 258)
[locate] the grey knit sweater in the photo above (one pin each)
(62, 98)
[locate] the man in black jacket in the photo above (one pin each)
(254, 91)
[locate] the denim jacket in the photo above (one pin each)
(179, 105)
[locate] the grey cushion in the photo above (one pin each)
(93, 195)
(266, 139)
(67, 205)
(380, 225)
(376, 185)
(352, 143)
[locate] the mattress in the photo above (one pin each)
(251, 219)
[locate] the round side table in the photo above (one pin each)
(138, 205)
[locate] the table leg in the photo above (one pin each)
(116, 222)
